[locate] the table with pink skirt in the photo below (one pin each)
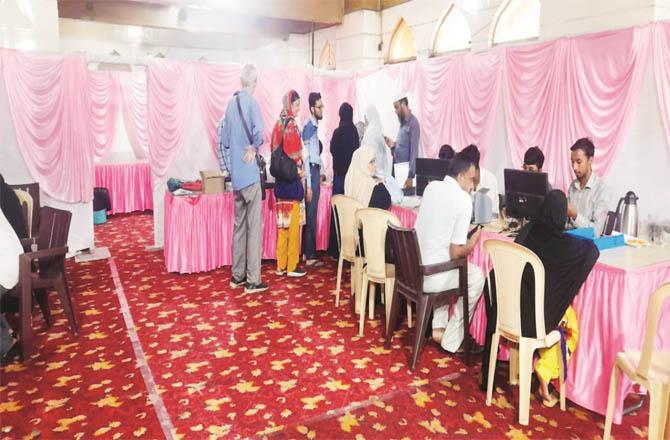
(611, 309)
(129, 185)
(198, 231)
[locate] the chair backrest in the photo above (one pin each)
(34, 190)
(375, 224)
(408, 275)
(509, 260)
(26, 201)
(345, 226)
(54, 231)
(653, 312)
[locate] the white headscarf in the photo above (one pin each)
(359, 181)
(374, 137)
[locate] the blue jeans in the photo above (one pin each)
(312, 208)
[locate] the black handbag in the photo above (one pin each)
(282, 167)
(259, 159)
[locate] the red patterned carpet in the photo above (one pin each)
(283, 363)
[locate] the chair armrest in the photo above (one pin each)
(25, 243)
(51, 252)
(432, 269)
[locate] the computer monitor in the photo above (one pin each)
(428, 170)
(524, 193)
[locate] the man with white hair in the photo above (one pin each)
(240, 136)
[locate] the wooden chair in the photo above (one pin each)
(34, 190)
(409, 272)
(26, 201)
(509, 260)
(649, 368)
(376, 270)
(344, 209)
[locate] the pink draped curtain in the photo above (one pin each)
(215, 86)
(560, 91)
(661, 39)
(104, 90)
(134, 103)
(169, 99)
(459, 97)
(51, 109)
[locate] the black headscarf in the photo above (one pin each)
(11, 208)
(567, 262)
(345, 140)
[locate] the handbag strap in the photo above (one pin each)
(244, 122)
(259, 161)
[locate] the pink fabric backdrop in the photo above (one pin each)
(199, 230)
(559, 91)
(215, 85)
(104, 90)
(662, 72)
(134, 99)
(51, 109)
(169, 104)
(459, 97)
(129, 185)
(611, 308)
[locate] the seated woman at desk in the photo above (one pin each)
(360, 182)
(567, 262)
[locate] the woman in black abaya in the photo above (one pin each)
(567, 262)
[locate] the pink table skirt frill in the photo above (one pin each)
(199, 230)
(129, 185)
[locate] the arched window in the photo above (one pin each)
(327, 58)
(401, 45)
(516, 20)
(452, 32)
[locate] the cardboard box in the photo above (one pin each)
(213, 182)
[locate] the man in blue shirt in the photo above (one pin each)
(310, 140)
(406, 146)
(237, 148)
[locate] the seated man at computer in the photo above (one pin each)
(483, 177)
(533, 161)
(588, 200)
(442, 230)
(446, 152)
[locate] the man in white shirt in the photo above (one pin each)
(588, 198)
(10, 249)
(442, 230)
(483, 177)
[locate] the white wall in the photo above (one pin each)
(29, 24)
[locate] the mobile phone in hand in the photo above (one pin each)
(475, 229)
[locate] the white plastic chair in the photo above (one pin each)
(345, 212)
(509, 261)
(649, 368)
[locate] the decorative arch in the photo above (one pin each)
(327, 58)
(516, 20)
(452, 32)
(402, 46)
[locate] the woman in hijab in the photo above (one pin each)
(567, 263)
(290, 206)
(374, 137)
(342, 146)
(360, 182)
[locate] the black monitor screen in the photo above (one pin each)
(524, 193)
(428, 170)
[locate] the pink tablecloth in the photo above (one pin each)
(199, 230)
(611, 308)
(129, 186)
